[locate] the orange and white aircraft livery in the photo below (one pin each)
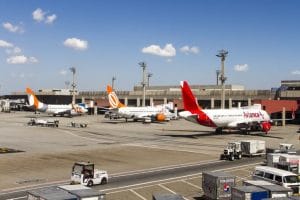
(145, 114)
(245, 119)
(68, 109)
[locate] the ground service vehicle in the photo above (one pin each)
(84, 173)
(277, 176)
(232, 151)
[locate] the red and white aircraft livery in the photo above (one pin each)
(246, 119)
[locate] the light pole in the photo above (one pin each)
(143, 66)
(73, 70)
(148, 76)
(113, 81)
(222, 54)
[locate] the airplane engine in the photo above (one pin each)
(160, 117)
(265, 127)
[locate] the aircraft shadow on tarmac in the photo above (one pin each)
(200, 134)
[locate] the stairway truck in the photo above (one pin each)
(85, 174)
(253, 147)
(217, 185)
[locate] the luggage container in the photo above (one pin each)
(167, 197)
(253, 147)
(276, 191)
(273, 159)
(217, 185)
(249, 193)
(280, 198)
(83, 192)
(256, 183)
(50, 193)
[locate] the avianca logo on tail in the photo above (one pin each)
(113, 99)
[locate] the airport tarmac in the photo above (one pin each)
(118, 147)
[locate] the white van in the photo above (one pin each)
(281, 177)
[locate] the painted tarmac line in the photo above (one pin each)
(168, 180)
(137, 194)
(24, 188)
(161, 168)
(168, 189)
(191, 184)
(158, 147)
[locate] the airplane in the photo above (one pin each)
(146, 114)
(68, 109)
(245, 119)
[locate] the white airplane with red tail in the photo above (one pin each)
(245, 119)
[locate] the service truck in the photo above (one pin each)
(84, 173)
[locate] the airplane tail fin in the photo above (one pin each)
(189, 101)
(33, 100)
(112, 98)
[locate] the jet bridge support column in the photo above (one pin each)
(126, 101)
(165, 100)
(82, 99)
(138, 102)
(283, 116)
(151, 101)
(249, 101)
(230, 103)
(212, 103)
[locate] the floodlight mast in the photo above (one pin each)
(148, 76)
(73, 70)
(113, 81)
(222, 54)
(143, 66)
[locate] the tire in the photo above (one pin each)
(103, 181)
(90, 183)
(231, 157)
(239, 156)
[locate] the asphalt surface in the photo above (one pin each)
(158, 175)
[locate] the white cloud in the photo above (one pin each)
(76, 43)
(50, 19)
(38, 15)
(167, 51)
(241, 67)
(15, 29)
(187, 50)
(296, 72)
(5, 44)
(63, 72)
(21, 59)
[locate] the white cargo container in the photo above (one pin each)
(290, 163)
(273, 159)
(253, 147)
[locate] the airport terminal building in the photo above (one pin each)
(208, 96)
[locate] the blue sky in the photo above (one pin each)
(41, 40)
